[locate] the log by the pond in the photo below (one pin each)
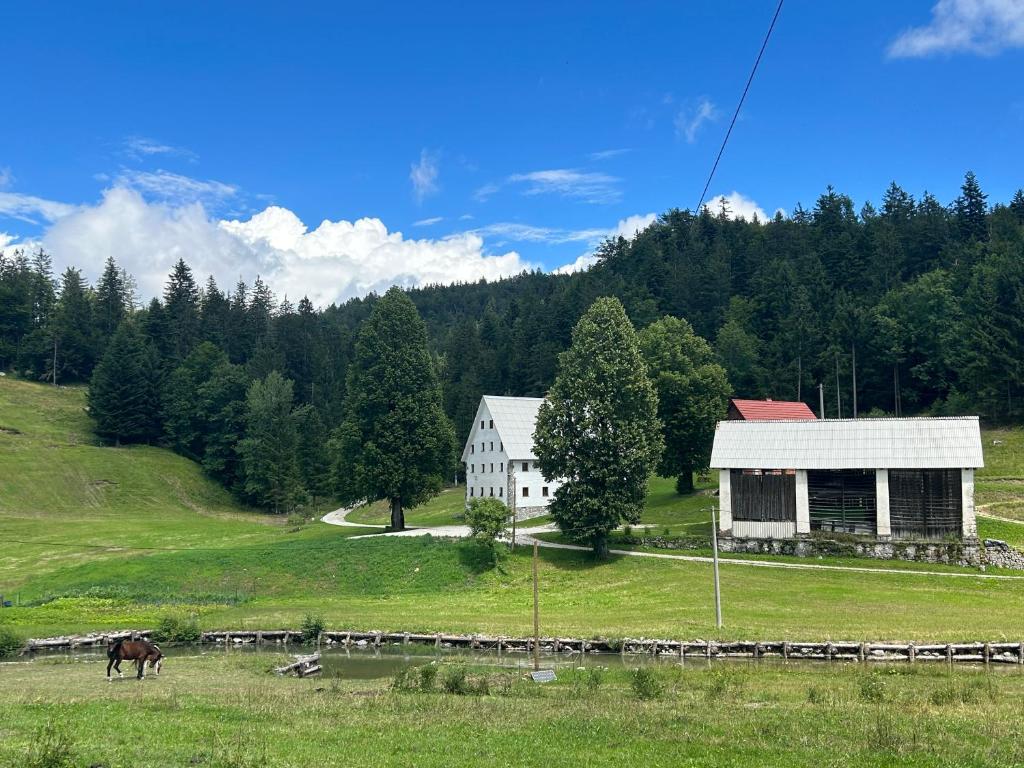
(303, 666)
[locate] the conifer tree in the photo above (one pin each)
(111, 301)
(181, 305)
(598, 428)
(311, 453)
(971, 209)
(71, 331)
(268, 451)
(123, 391)
(396, 442)
(185, 420)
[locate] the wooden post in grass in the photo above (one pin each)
(714, 551)
(536, 613)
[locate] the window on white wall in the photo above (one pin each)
(501, 466)
(471, 490)
(492, 423)
(501, 491)
(526, 466)
(492, 445)
(472, 467)
(526, 491)
(492, 467)
(544, 491)
(481, 423)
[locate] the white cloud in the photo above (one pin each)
(335, 261)
(606, 154)
(174, 188)
(738, 206)
(428, 222)
(483, 194)
(6, 178)
(30, 209)
(627, 228)
(423, 175)
(588, 186)
(690, 119)
(466, 217)
(983, 27)
(140, 147)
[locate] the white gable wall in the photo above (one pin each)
(490, 473)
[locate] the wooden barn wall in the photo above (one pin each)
(763, 498)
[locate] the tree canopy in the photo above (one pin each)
(598, 429)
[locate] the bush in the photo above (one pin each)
(428, 677)
(645, 684)
(312, 626)
(872, 688)
(593, 678)
(487, 519)
(405, 680)
(51, 748)
(454, 680)
(10, 643)
(177, 629)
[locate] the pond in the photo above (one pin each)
(358, 663)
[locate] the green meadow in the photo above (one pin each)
(98, 537)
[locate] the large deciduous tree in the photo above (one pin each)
(395, 442)
(693, 394)
(598, 429)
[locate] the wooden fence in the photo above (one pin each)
(829, 650)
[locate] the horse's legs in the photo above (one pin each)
(117, 667)
(110, 663)
(141, 663)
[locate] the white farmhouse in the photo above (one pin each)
(499, 457)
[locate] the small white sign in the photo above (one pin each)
(543, 676)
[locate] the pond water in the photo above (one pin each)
(369, 663)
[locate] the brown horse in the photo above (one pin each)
(137, 651)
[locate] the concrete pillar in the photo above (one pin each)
(724, 501)
(803, 505)
(967, 503)
(882, 525)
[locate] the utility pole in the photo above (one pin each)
(839, 402)
(821, 400)
(853, 348)
(536, 613)
(512, 502)
(714, 550)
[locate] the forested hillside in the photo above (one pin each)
(912, 306)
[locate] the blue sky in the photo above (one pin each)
(441, 142)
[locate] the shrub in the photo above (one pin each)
(10, 643)
(593, 677)
(961, 692)
(645, 684)
(454, 680)
(405, 680)
(177, 629)
(487, 519)
(311, 628)
(428, 677)
(872, 688)
(51, 748)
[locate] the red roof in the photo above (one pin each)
(765, 410)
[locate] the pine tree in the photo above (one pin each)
(268, 451)
(181, 305)
(971, 210)
(111, 301)
(599, 428)
(71, 331)
(396, 442)
(693, 395)
(185, 420)
(222, 401)
(311, 453)
(213, 315)
(1017, 205)
(122, 393)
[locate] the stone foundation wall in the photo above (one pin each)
(969, 552)
(526, 513)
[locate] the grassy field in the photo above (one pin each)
(98, 537)
(227, 711)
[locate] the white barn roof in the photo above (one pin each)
(919, 443)
(515, 419)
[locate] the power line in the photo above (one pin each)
(739, 106)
